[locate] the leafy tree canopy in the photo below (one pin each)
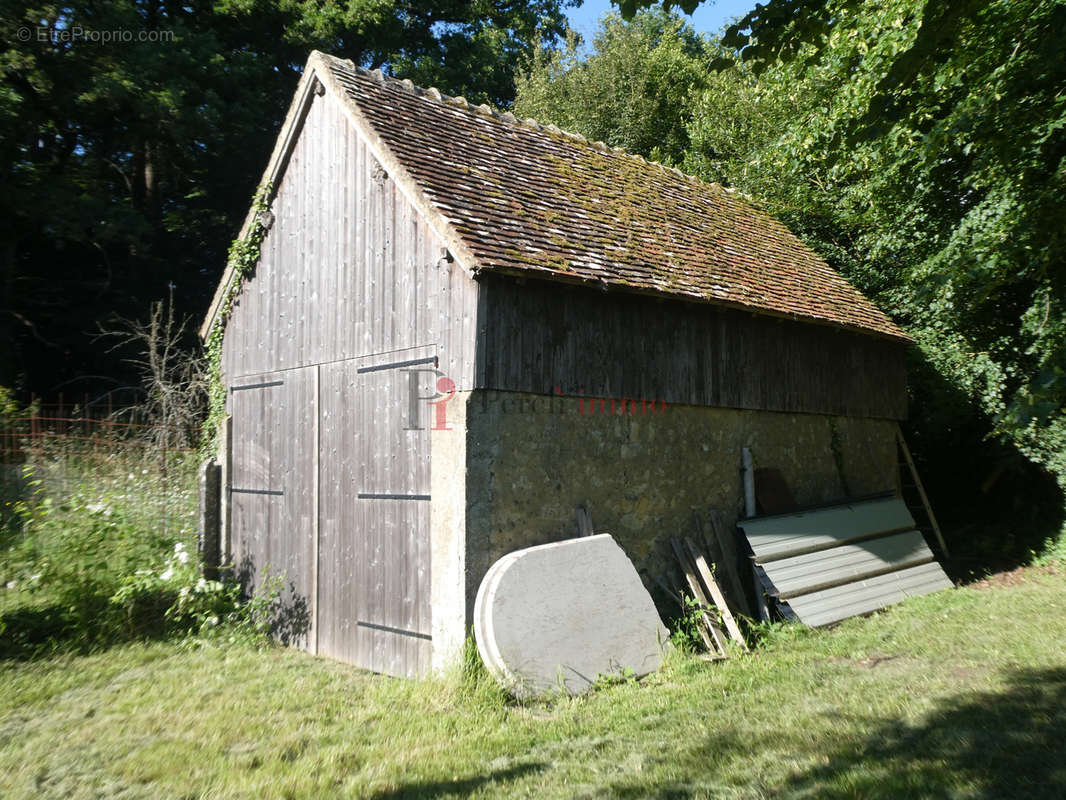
(633, 89)
(936, 142)
(127, 163)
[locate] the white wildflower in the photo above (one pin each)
(212, 621)
(167, 574)
(12, 584)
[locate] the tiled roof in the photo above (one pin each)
(540, 202)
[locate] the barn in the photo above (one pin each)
(462, 326)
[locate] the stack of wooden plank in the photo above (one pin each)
(711, 578)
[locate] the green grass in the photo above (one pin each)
(962, 694)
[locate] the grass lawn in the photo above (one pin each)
(962, 694)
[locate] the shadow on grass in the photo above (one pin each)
(987, 744)
(29, 632)
(459, 786)
(80, 625)
(1005, 744)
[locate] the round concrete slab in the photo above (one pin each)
(557, 616)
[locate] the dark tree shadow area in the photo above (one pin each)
(995, 506)
(460, 786)
(82, 623)
(989, 745)
(292, 618)
(1008, 744)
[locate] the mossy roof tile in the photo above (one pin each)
(576, 211)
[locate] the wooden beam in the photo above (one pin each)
(730, 564)
(704, 571)
(921, 490)
(705, 604)
(210, 517)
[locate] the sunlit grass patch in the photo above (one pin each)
(956, 694)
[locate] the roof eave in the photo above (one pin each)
(560, 276)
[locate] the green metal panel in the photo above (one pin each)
(851, 562)
(862, 597)
(792, 534)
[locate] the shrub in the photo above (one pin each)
(173, 598)
(97, 547)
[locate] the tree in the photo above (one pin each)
(633, 90)
(940, 147)
(133, 132)
(920, 148)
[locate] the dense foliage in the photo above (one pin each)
(132, 133)
(631, 91)
(98, 546)
(947, 176)
(920, 149)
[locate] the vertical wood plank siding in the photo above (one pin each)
(348, 268)
(535, 336)
(273, 490)
(349, 276)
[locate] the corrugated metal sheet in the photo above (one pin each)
(862, 597)
(806, 573)
(790, 534)
(829, 564)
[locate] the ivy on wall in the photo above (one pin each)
(242, 259)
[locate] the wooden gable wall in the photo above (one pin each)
(351, 301)
(348, 269)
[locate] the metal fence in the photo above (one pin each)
(97, 456)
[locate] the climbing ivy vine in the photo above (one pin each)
(242, 258)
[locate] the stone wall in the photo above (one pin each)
(532, 459)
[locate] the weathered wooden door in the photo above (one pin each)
(272, 492)
(374, 603)
(330, 492)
